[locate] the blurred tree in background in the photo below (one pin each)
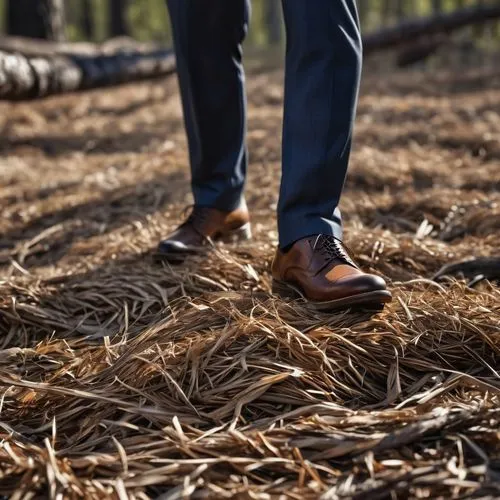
(147, 20)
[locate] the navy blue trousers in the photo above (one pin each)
(323, 66)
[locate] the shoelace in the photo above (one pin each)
(332, 248)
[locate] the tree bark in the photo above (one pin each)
(28, 18)
(23, 78)
(272, 16)
(86, 20)
(117, 18)
(437, 6)
(57, 20)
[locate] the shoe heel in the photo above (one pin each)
(243, 233)
(284, 291)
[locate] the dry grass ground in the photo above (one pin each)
(123, 379)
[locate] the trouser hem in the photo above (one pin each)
(297, 229)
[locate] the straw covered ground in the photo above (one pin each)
(120, 378)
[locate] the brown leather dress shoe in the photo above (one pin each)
(204, 226)
(319, 270)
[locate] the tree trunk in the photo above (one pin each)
(86, 20)
(437, 6)
(272, 15)
(117, 18)
(400, 10)
(57, 20)
(28, 18)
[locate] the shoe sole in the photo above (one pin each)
(239, 235)
(367, 301)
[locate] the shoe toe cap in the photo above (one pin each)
(363, 283)
(172, 247)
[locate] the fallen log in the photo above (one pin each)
(412, 30)
(23, 77)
